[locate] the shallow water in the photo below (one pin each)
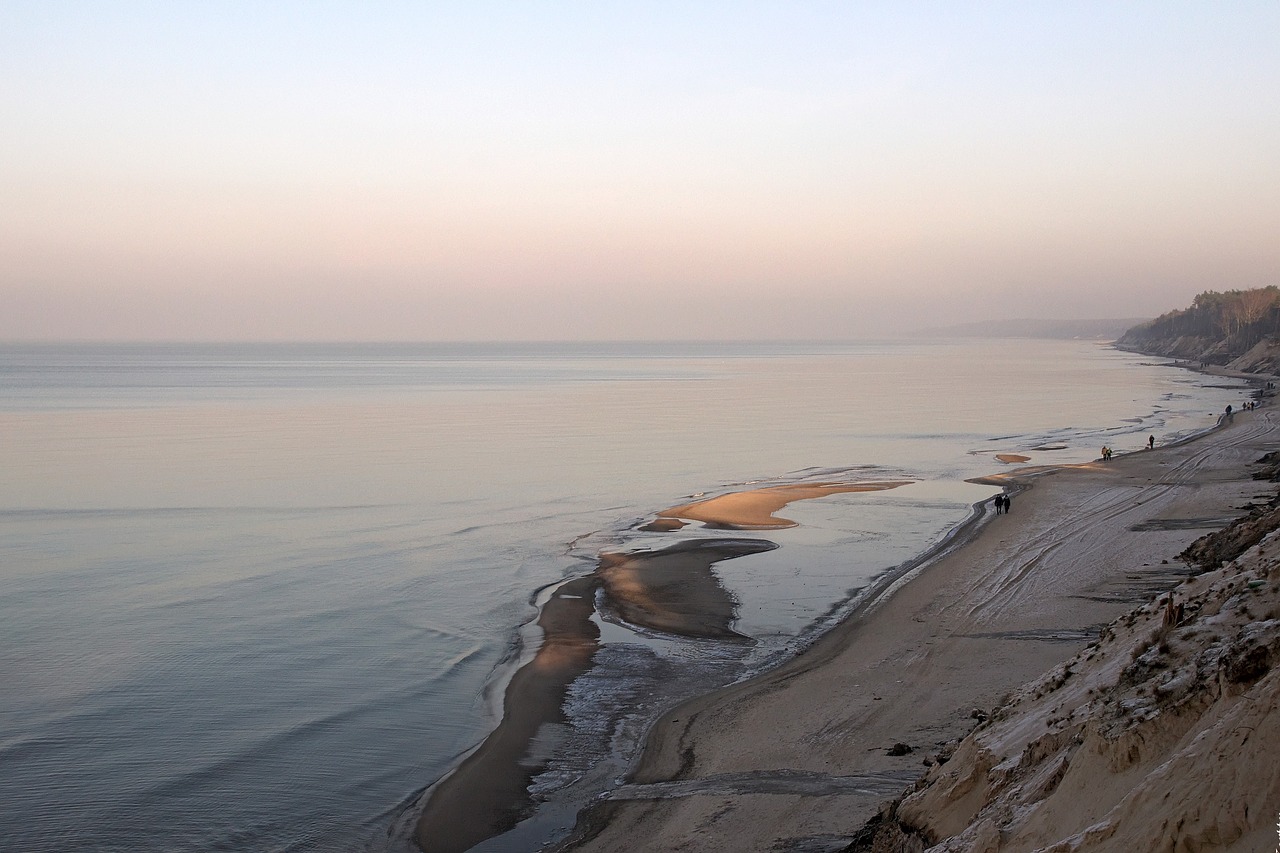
(258, 597)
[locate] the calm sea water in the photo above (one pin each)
(259, 597)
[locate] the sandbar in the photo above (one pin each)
(490, 788)
(662, 525)
(754, 509)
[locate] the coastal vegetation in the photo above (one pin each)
(1236, 329)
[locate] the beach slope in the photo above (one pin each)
(1164, 734)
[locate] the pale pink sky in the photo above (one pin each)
(561, 170)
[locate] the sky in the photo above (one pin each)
(605, 171)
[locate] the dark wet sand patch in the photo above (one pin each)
(674, 589)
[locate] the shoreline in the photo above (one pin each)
(671, 589)
(800, 752)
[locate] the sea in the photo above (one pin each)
(263, 596)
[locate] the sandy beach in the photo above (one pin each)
(801, 757)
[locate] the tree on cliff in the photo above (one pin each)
(1228, 323)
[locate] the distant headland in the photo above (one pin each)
(1067, 330)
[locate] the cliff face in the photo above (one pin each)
(1239, 330)
(1262, 357)
(1164, 735)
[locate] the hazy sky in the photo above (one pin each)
(537, 170)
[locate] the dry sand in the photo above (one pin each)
(798, 759)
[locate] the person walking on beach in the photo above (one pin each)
(1007, 501)
(1151, 442)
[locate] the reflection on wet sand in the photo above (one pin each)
(674, 589)
(754, 509)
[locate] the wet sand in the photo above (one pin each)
(662, 525)
(754, 509)
(801, 757)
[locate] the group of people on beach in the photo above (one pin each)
(1246, 406)
(1107, 452)
(1002, 502)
